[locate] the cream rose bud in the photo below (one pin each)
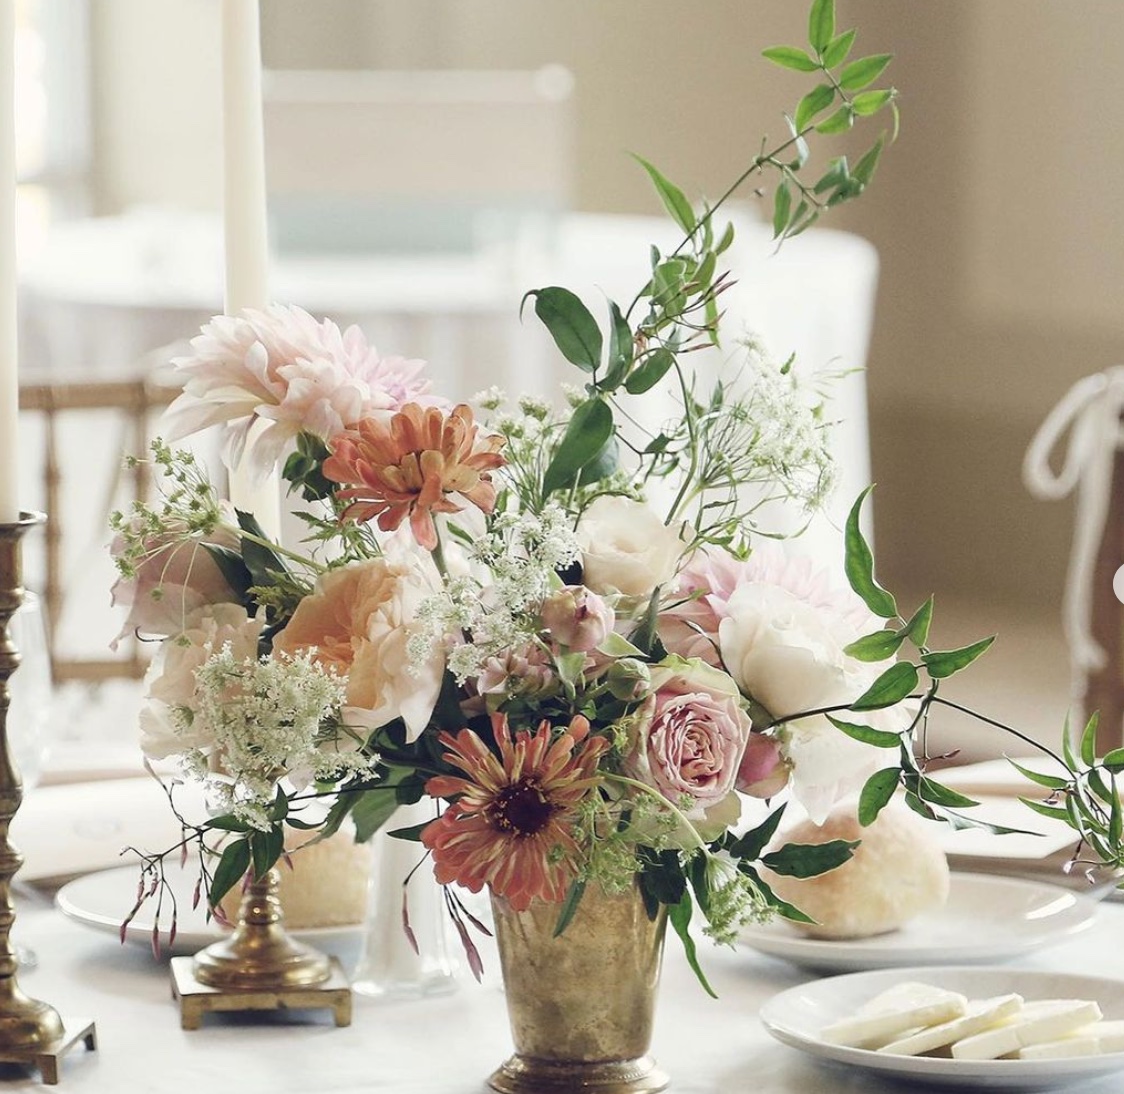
(691, 736)
(626, 547)
(577, 618)
(763, 771)
(175, 580)
(169, 684)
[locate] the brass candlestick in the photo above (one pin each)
(259, 967)
(31, 1032)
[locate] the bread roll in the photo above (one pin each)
(898, 871)
(326, 885)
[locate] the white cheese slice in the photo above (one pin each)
(981, 1015)
(1091, 1040)
(902, 1007)
(1038, 1021)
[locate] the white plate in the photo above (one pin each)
(985, 919)
(102, 901)
(796, 1017)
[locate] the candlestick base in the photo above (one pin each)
(45, 1056)
(197, 999)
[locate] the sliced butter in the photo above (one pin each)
(1091, 1040)
(888, 1015)
(1039, 1021)
(981, 1015)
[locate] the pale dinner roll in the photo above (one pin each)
(898, 871)
(326, 886)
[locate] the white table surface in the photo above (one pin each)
(445, 1045)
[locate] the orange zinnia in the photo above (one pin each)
(511, 825)
(413, 466)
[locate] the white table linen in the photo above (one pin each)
(445, 1045)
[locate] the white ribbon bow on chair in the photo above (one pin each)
(1091, 410)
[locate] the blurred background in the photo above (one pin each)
(1000, 243)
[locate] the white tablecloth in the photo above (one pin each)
(445, 1045)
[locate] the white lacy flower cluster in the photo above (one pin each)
(263, 718)
(520, 554)
(776, 424)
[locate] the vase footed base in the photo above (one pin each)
(45, 1056)
(526, 1075)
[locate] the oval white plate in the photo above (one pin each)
(102, 901)
(796, 1017)
(985, 919)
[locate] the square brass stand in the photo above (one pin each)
(46, 1057)
(197, 999)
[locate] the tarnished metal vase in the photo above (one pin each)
(581, 1005)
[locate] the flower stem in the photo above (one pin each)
(678, 813)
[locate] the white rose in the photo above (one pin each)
(626, 547)
(169, 683)
(788, 656)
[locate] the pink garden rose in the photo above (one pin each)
(169, 684)
(289, 371)
(359, 619)
(711, 576)
(692, 734)
(176, 579)
(763, 771)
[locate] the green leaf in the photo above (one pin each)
(863, 72)
(917, 629)
(1051, 782)
(265, 850)
(674, 200)
(411, 833)
(864, 169)
(870, 102)
(650, 372)
(230, 871)
(261, 561)
(232, 568)
(782, 206)
(1115, 820)
(603, 464)
(1067, 746)
(815, 102)
(372, 811)
(821, 24)
(726, 239)
(804, 860)
(790, 57)
(227, 824)
(620, 349)
(750, 845)
(880, 738)
(859, 565)
(932, 791)
(1089, 741)
(942, 664)
(1054, 812)
(839, 48)
(680, 916)
(875, 647)
(573, 328)
(839, 122)
(1114, 760)
(876, 794)
(569, 906)
(890, 688)
(590, 426)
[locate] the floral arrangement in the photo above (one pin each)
(560, 627)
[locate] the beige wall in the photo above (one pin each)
(995, 214)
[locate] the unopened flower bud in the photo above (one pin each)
(628, 679)
(763, 771)
(577, 618)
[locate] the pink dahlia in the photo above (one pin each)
(295, 373)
